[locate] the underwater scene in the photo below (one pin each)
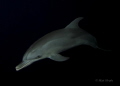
(71, 36)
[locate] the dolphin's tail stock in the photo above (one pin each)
(103, 49)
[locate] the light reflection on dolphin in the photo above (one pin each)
(50, 45)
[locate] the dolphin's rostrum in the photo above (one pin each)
(50, 45)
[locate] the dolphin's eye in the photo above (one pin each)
(38, 56)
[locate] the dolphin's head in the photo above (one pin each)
(29, 58)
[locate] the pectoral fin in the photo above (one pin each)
(58, 57)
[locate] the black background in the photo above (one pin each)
(23, 22)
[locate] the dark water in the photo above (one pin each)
(23, 22)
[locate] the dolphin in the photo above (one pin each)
(50, 45)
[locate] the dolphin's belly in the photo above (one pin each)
(59, 45)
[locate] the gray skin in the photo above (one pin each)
(50, 45)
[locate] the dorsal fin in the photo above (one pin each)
(74, 23)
